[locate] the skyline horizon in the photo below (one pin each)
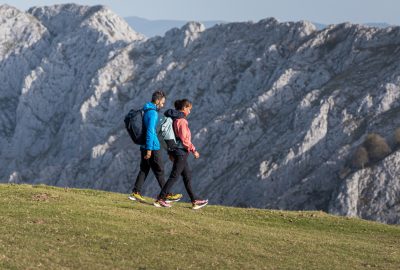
(218, 20)
(355, 11)
(371, 22)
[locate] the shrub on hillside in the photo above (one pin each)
(397, 136)
(344, 172)
(360, 158)
(376, 147)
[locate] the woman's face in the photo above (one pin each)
(187, 110)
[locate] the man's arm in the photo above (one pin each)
(151, 133)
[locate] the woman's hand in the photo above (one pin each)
(196, 155)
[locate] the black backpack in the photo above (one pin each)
(135, 126)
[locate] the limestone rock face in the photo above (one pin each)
(278, 107)
(371, 193)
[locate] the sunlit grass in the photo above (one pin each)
(53, 228)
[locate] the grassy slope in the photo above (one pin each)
(51, 228)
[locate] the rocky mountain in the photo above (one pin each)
(371, 193)
(279, 108)
(321, 26)
(151, 28)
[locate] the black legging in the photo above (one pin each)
(180, 167)
(156, 164)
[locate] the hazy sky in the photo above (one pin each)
(322, 11)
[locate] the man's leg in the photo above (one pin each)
(144, 171)
(157, 166)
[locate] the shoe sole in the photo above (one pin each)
(157, 205)
(160, 206)
(199, 206)
(135, 199)
(170, 201)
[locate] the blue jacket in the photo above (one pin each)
(150, 120)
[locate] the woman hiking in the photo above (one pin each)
(180, 155)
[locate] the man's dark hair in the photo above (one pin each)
(157, 95)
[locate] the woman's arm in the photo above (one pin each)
(183, 132)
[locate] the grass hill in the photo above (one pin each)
(54, 228)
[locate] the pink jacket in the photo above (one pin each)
(181, 128)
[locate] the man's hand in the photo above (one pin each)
(196, 155)
(148, 154)
(171, 157)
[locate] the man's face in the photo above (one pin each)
(160, 103)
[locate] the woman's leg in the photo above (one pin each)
(187, 180)
(177, 168)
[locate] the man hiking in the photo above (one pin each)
(150, 151)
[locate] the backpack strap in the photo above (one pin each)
(144, 112)
(149, 109)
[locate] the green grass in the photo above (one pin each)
(53, 228)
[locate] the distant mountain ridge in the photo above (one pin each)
(279, 107)
(151, 28)
(321, 26)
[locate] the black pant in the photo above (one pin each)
(156, 164)
(180, 167)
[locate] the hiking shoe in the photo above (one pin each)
(197, 204)
(161, 203)
(173, 197)
(135, 196)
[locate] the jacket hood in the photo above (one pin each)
(174, 114)
(150, 105)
